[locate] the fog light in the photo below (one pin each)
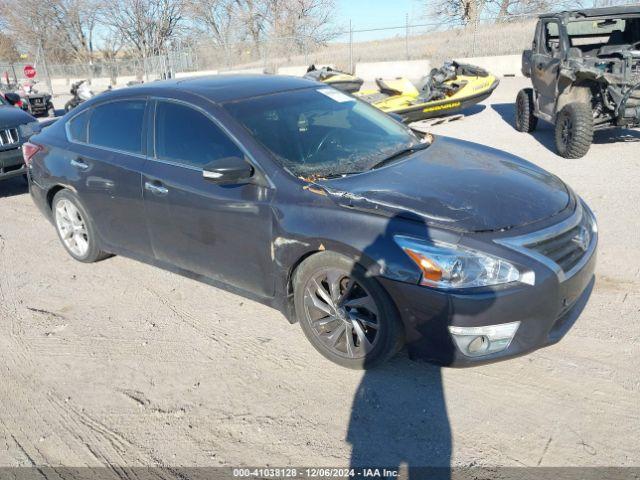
(478, 345)
(478, 341)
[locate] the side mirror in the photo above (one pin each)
(228, 170)
(12, 97)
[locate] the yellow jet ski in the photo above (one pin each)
(341, 80)
(445, 91)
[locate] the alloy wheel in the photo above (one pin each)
(567, 131)
(72, 228)
(342, 313)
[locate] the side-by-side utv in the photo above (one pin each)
(585, 69)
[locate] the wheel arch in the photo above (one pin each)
(372, 267)
(571, 93)
(54, 189)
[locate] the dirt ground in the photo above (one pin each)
(122, 363)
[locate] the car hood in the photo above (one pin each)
(12, 117)
(456, 185)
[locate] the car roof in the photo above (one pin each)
(595, 12)
(220, 88)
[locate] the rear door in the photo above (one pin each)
(547, 56)
(220, 231)
(106, 160)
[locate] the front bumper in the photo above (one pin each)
(11, 163)
(546, 312)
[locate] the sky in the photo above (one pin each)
(377, 13)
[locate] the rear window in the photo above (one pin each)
(118, 125)
(611, 31)
(77, 127)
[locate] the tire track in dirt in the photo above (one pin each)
(219, 333)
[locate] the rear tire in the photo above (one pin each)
(75, 228)
(574, 130)
(346, 315)
(526, 121)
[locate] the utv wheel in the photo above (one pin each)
(574, 130)
(526, 121)
(75, 228)
(51, 111)
(346, 315)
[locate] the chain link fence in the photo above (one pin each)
(429, 41)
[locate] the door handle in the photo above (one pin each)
(79, 164)
(155, 188)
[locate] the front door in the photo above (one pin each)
(106, 160)
(220, 231)
(546, 60)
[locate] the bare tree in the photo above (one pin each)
(28, 21)
(110, 47)
(284, 26)
(145, 25)
(506, 10)
(75, 22)
(220, 21)
(8, 49)
(456, 12)
(303, 21)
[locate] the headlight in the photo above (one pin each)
(451, 267)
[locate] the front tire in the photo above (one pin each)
(346, 315)
(526, 121)
(574, 130)
(75, 228)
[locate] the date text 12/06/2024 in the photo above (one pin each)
(314, 473)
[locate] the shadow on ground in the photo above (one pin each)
(399, 419)
(399, 414)
(13, 186)
(473, 110)
(544, 133)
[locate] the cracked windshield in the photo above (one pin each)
(320, 132)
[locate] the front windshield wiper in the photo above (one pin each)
(400, 153)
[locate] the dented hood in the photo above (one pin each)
(457, 185)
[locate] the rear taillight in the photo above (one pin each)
(29, 150)
(19, 104)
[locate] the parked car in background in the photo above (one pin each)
(16, 126)
(37, 103)
(295, 194)
(585, 69)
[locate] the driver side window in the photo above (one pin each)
(550, 44)
(187, 137)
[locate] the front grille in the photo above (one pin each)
(564, 248)
(567, 248)
(9, 137)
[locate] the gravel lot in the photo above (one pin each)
(122, 363)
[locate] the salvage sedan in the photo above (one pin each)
(299, 196)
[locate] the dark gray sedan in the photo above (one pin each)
(297, 195)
